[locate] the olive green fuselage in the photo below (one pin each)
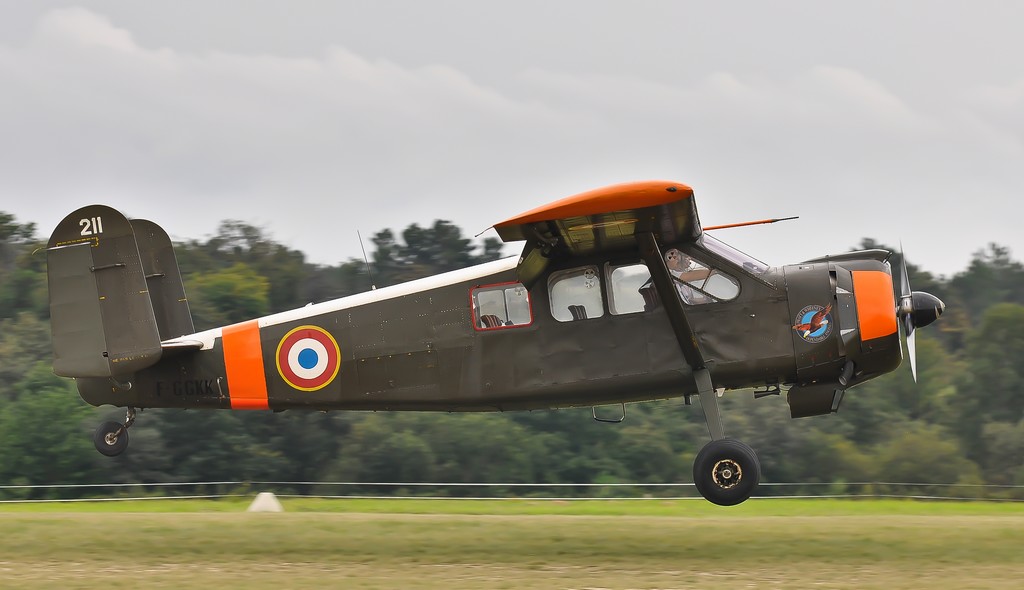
(419, 346)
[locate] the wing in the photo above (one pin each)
(606, 219)
(603, 220)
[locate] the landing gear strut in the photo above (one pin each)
(111, 438)
(726, 471)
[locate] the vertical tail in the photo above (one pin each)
(101, 312)
(166, 291)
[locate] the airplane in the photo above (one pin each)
(619, 295)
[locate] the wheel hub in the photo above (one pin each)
(110, 438)
(726, 473)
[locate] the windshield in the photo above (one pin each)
(744, 261)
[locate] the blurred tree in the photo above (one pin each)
(24, 290)
(480, 447)
(989, 386)
(576, 449)
(492, 250)
(300, 444)
(384, 448)
(22, 269)
(766, 426)
(13, 236)
(426, 251)
(24, 343)
(831, 457)
(387, 261)
(42, 434)
(227, 296)
(438, 248)
(923, 453)
(928, 398)
(1003, 460)
(212, 446)
(323, 283)
(992, 277)
(648, 455)
(240, 243)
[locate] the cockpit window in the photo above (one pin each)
(740, 259)
(696, 283)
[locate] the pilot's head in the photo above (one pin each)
(677, 261)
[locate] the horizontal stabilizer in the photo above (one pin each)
(176, 347)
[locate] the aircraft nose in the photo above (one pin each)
(927, 308)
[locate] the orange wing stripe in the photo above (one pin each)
(243, 361)
(876, 304)
(633, 195)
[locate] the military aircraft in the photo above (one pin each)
(618, 296)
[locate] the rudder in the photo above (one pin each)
(101, 316)
(166, 291)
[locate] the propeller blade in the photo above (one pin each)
(903, 336)
(905, 291)
(905, 310)
(911, 348)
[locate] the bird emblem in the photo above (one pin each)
(815, 323)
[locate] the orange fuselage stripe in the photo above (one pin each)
(876, 304)
(243, 362)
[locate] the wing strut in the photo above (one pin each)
(651, 253)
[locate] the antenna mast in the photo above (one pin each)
(369, 272)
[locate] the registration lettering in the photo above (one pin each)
(188, 388)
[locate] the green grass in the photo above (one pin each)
(690, 508)
(459, 544)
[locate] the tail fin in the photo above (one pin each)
(166, 291)
(101, 314)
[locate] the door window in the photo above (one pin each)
(575, 294)
(630, 289)
(501, 306)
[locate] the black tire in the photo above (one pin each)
(726, 472)
(111, 439)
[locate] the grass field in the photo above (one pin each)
(522, 544)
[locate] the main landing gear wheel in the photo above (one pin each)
(111, 438)
(726, 472)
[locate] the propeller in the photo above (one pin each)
(915, 309)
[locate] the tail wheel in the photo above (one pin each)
(111, 438)
(726, 472)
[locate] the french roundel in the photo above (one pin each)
(308, 358)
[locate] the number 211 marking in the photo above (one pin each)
(91, 227)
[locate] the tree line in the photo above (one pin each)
(963, 423)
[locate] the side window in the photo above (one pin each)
(501, 306)
(630, 289)
(696, 283)
(575, 294)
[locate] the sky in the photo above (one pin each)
(900, 121)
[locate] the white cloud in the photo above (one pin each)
(82, 28)
(320, 145)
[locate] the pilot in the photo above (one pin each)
(687, 272)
